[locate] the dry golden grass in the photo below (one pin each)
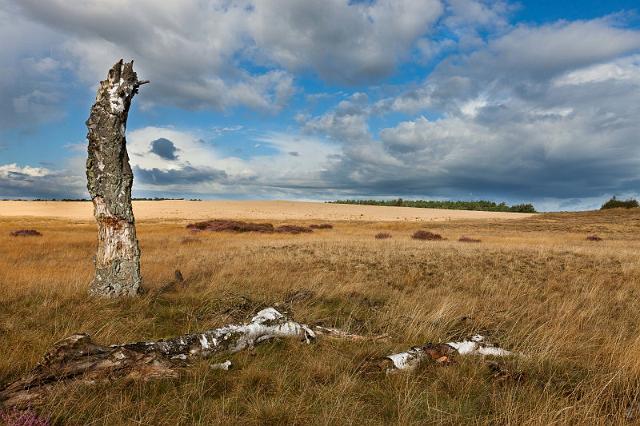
(536, 286)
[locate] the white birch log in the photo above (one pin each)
(443, 352)
(78, 359)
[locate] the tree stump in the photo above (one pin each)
(109, 180)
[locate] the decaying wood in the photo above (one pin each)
(442, 353)
(109, 180)
(78, 359)
(335, 333)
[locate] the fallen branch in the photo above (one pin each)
(442, 353)
(78, 359)
(335, 333)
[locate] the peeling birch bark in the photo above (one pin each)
(78, 359)
(109, 181)
(442, 353)
(335, 333)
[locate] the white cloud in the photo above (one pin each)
(195, 51)
(340, 40)
(625, 69)
(200, 168)
(562, 46)
(31, 182)
(25, 172)
(346, 123)
(520, 116)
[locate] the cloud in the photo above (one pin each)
(515, 118)
(202, 169)
(343, 41)
(347, 122)
(31, 83)
(164, 148)
(33, 182)
(205, 54)
(540, 52)
(187, 49)
(519, 62)
(185, 176)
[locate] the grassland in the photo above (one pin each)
(535, 285)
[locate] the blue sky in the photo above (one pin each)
(531, 101)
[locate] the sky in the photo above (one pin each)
(531, 101)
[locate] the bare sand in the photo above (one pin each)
(248, 210)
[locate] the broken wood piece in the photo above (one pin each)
(221, 365)
(443, 352)
(78, 359)
(336, 333)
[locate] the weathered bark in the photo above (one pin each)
(335, 333)
(109, 180)
(442, 353)
(78, 359)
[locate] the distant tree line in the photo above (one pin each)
(614, 203)
(480, 205)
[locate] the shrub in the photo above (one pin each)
(238, 226)
(219, 225)
(293, 229)
(465, 239)
(426, 235)
(321, 226)
(614, 203)
(382, 236)
(26, 233)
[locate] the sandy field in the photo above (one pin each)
(253, 210)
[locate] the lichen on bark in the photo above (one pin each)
(78, 359)
(109, 181)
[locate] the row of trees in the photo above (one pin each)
(614, 203)
(480, 205)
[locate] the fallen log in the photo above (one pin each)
(442, 353)
(78, 359)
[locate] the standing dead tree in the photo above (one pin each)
(109, 180)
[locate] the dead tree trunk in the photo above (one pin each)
(109, 180)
